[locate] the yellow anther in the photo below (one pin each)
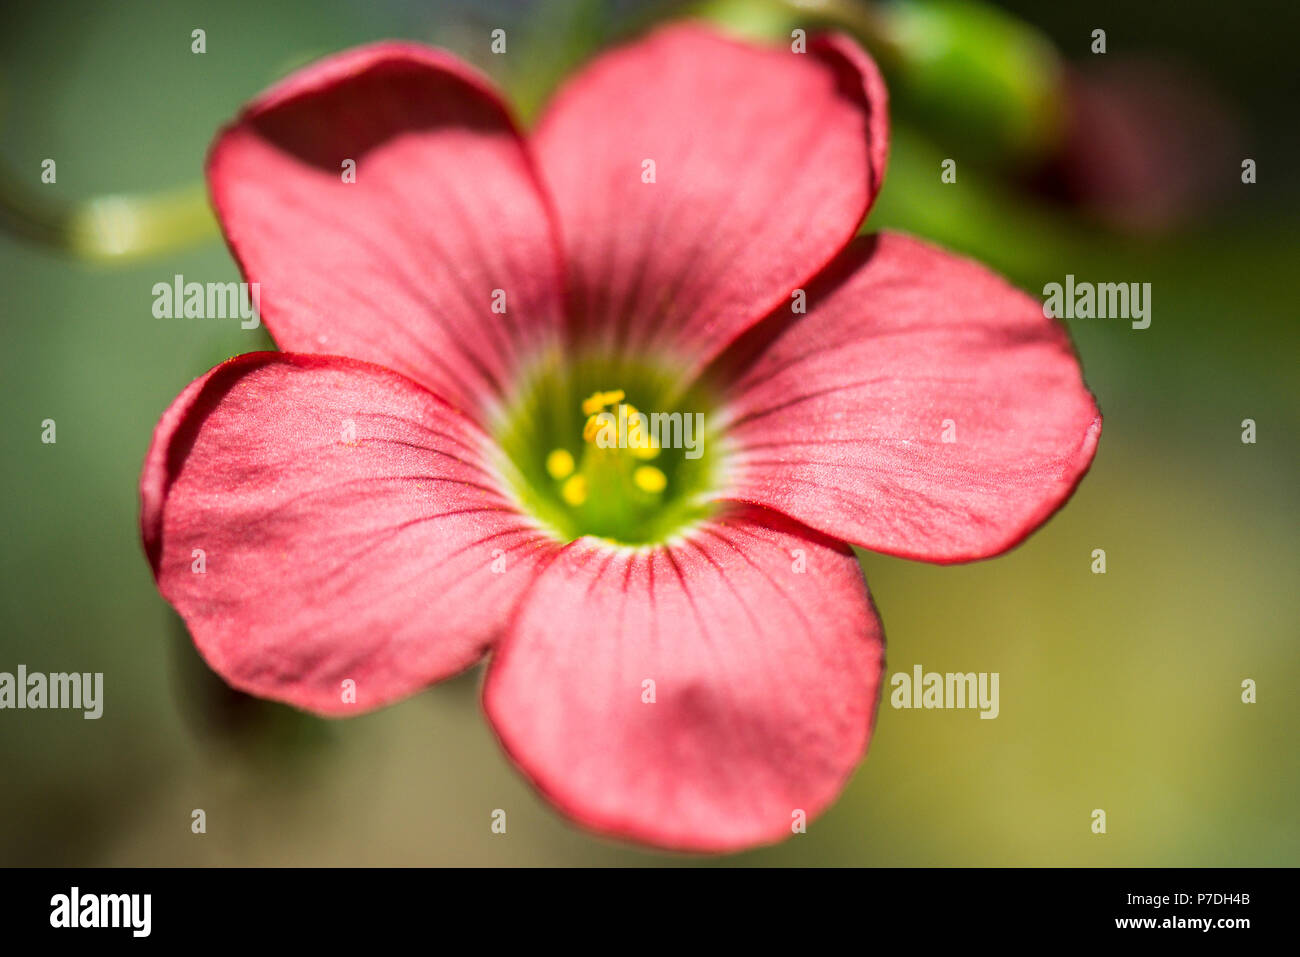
(574, 490)
(608, 410)
(559, 464)
(649, 479)
(593, 425)
(638, 443)
(598, 400)
(645, 451)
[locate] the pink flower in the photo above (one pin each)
(683, 649)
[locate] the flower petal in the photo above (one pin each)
(316, 519)
(765, 683)
(923, 407)
(400, 267)
(766, 161)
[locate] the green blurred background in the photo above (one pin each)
(1119, 691)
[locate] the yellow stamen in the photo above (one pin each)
(598, 400)
(645, 451)
(634, 437)
(649, 479)
(574, 490)
(593, 425)
(639, 444)
(626, 416)
(559, 464)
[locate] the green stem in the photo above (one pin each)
(109, 228)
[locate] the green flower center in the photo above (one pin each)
(611, 448)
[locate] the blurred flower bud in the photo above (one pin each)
(1148, 145)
